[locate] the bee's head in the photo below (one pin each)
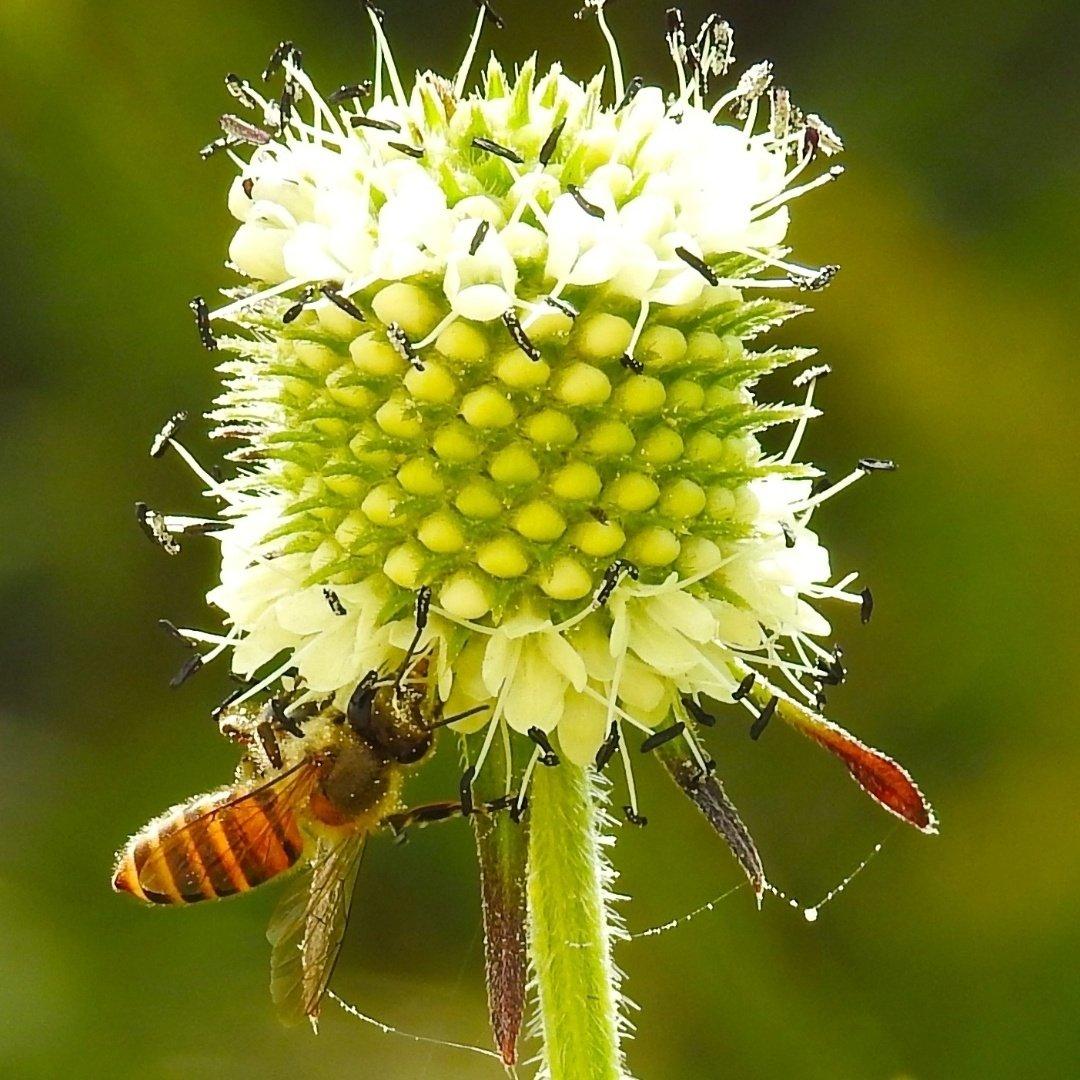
(392, 719)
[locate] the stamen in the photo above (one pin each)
(373, 123)
(405, 148)
(590, 208)
(526, 777)
(744, 687)
(548, 149)
(866, 607)
(350, 92)
(658, 738)
(539, 736)
(343, 303)
(698, 264)
(633, 88)
(793, 193)
(607, 747)
(470, 53)
(403, 346)
(804, 420)
(202, 323)
(613, 575)
(240, 131)
(164, 436)
(334, 601)
(479, 235)
(521, 339)
(386, 55)
(597, 6)
(241, 90)
(821, 279)
(697, 711)
(490, 147)
(868, 464)
(766, 714)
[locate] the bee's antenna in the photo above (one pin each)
(457, 716)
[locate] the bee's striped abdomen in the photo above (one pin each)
(215, 846)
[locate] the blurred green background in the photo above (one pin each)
(952, 334)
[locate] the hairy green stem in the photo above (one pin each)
(571, 928)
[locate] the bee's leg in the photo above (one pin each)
(429, 813)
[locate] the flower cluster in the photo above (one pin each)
(499, 343)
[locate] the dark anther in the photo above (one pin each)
(698, 264)
(187, 669)
(633, 88)
(285, 104)
(376, 11)
(820, 700)
(503, 802)
(658, 738)
(343, 303)
(607, 748)
(153, 524)
(521, 339)
(548, 757)
(211, 148)
(811, 136)
(277, 58)
(294, 312)
(465, 790)
(478, 236)
(249, 186)
(517, 810)
(567, 309)
(423, 606)
(405, 148)
(284, 720)
(632, 363)
(599, 515)
(371, 122)
(242, 131)
(332, 598)
(403, 346)
(744, 687)
(220, 708)
(819, 484)
(548, 149)
(590, 208)
(763, 718)
(268, 742)
(202, 323)
(495, 148)
(168, 430)
(174, 632)
(612, 576)
(822, 278)
(698, 711)
(350, 92)
(819, 371)
(866, 607)
(789, 534)
(241, 90)
(635, 819)
(492, 14)
(873, 464)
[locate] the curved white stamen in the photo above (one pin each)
(793, 193)
(387, 56)
(470, 53)
(616, 60)
(800, 428)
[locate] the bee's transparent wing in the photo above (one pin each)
(307, 929)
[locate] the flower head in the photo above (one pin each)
(496, 344)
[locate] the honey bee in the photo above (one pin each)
(309, 792)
